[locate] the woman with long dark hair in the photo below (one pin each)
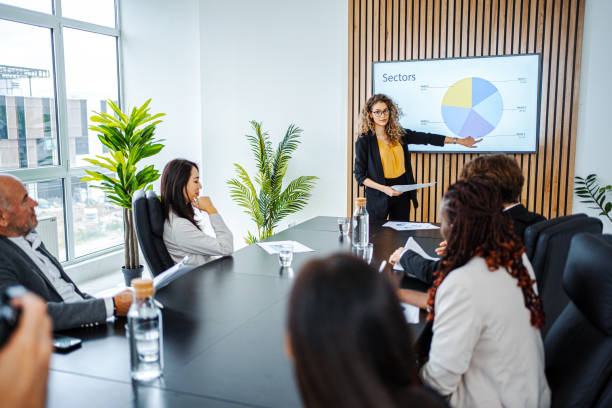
(349, 340)
(382, 158)
(183, 235)
(486, 349)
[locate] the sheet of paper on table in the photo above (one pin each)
(409, 187)
(409, 226)
(173, 273)
(413, 245)
(273, 247)
(411, 313)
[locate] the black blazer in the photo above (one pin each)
(423, 269)
(369, 165)
(17, 268)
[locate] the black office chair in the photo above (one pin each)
(578, 346)
(549, 260)
(149, 223)
(530, 238)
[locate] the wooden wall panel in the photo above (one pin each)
(392, 30)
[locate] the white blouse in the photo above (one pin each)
(183, 238)
(484, 350)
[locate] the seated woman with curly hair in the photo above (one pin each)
(486, 349)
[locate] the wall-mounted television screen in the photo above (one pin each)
(493, 98)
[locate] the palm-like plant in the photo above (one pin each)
(128, 143)
(271, 204)
(589, 189)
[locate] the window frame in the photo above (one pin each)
(56, 23)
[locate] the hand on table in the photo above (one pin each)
(396, 255)
(413, 297)
(122, 302)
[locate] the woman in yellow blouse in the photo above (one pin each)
(382, 158)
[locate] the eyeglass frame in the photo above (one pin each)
(379, 114)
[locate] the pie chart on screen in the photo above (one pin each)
(472, 107)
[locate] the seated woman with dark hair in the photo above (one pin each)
(486, 349)
(507, 175)
(349, 340)
(183, 235)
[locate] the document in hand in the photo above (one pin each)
(171, 274)
(413, 245)
(409, 187)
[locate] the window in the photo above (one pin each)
(59, 63)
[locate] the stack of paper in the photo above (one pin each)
(274, 247)
(409, 226)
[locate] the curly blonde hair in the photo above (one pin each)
(393, 129)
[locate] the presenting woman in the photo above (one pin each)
(382, 158)
(183, 235)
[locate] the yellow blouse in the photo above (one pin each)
(392, 159)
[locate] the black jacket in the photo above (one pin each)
(423, 269)
(17, 268)
(369, 165)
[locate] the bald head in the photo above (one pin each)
(17, 215)
(8, 185)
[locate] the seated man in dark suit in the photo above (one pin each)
(24, 260)
(506, 173)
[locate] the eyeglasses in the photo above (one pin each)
(379, 113)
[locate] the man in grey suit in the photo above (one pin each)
(24, 260)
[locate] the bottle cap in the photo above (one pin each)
(361, 201)
(143, 287)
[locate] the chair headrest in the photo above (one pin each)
(156, 214)
(532, 232)
(587, 278)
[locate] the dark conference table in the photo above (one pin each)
(224, 327)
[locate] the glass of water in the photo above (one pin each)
(285, 255)
(368, 252)
(344, 225)
(364, 252)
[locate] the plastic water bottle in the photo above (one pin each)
(145, 333)
(361, 224)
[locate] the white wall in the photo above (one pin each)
(160, 50)
(161, 60)
(594, 139)
(279, 62)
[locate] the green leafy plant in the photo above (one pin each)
(593, 193)
(271, 204)
(129, 139)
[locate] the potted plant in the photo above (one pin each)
(129, 139)
(268, 206)
(594, 194)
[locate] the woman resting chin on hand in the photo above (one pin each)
(180, 184)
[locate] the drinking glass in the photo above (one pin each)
(368, 252)
(285, 255)
(344, 225)
(364, 252)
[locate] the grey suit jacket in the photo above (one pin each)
(17, 268)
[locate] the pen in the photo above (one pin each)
(382, 266)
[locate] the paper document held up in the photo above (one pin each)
(409, 187)
(413, 245)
